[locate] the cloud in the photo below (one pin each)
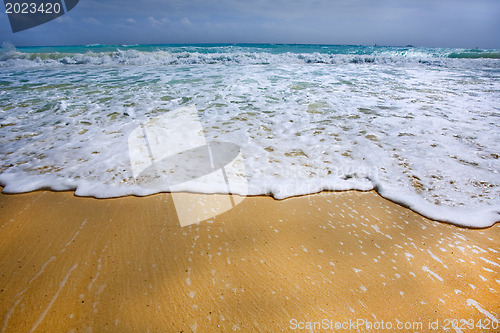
(185, 21)
(92, 21)
(64, 19)
(125, 22)
(157, 23)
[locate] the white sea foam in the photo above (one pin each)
(422, 133)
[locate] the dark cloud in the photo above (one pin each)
(436, 23)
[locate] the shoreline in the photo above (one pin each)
(125, 264)
(433, 213)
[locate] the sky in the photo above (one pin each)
(427, 23)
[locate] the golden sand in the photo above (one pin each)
(71, 264)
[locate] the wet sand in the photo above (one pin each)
(328, 261)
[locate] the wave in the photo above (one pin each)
(473, 54)
(10, 57)
(363, 121)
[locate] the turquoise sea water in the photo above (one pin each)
(419, 125)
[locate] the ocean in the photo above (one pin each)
(421, 126)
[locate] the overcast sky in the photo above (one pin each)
(433, 23)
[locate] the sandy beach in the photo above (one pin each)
(334, 261)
